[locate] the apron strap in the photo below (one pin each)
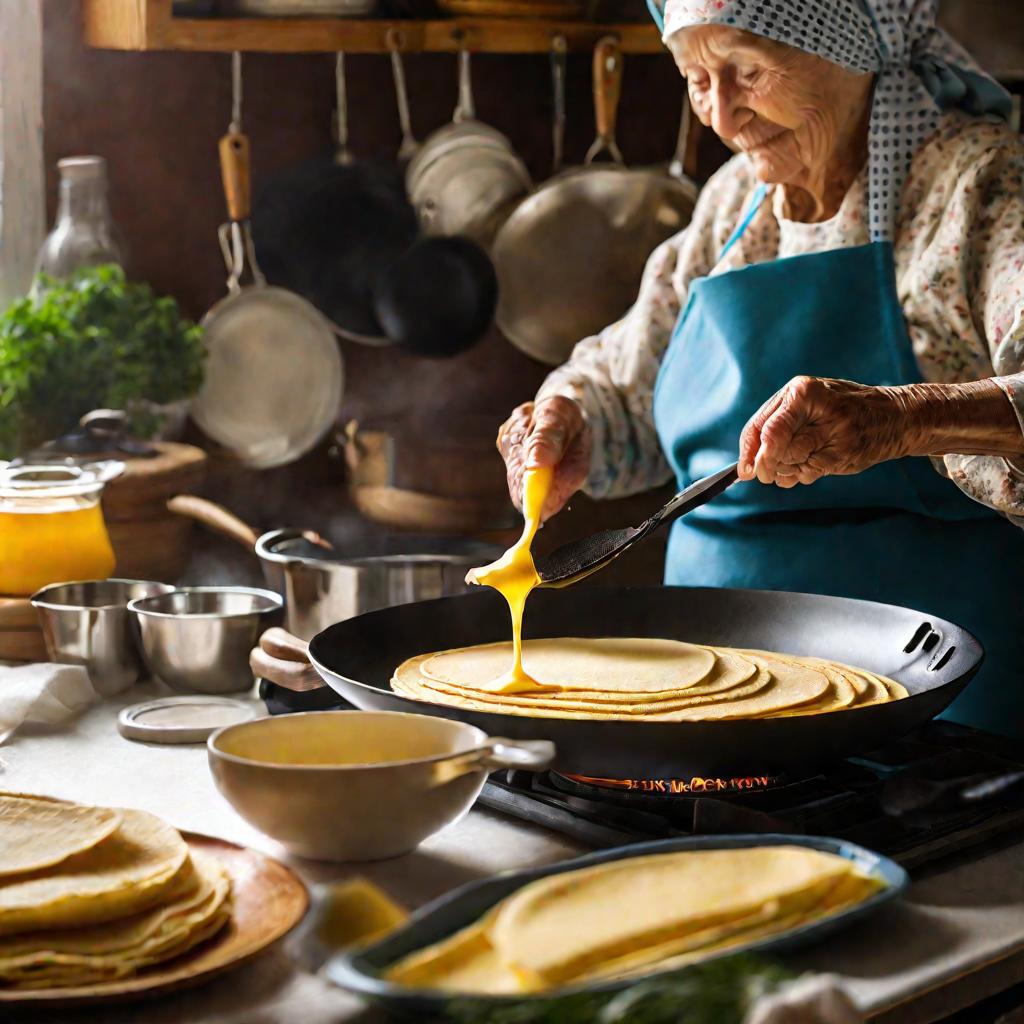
(755, 205)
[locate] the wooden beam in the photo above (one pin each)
(149, 25)
(116, 24)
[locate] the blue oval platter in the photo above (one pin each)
(360, 971)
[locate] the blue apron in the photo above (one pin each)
(897, 533)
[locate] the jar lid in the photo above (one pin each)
(57, 481)
(188, 719)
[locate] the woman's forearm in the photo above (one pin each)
(976, 418)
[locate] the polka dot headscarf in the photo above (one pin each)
(921, 70)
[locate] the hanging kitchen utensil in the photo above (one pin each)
(571, 256)
(439, 298)
(409, 146)
(274, 374)
(327, 228)
(466, 178)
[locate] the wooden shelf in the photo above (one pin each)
(149, 25)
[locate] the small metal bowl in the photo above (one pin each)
(198, 639)
(87, 623)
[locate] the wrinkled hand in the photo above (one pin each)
(816, 427)
(549, 433)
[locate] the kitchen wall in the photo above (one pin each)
(156, 117)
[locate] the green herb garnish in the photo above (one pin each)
(718, 992)
(92, 341)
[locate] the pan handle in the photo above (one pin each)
(607, 90)
(497, 753)
(284, 659)
(215, 517)
(234, 170)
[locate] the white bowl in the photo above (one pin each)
(358, 785)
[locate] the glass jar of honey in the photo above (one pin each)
(51, 526)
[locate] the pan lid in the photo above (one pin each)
(188, 719)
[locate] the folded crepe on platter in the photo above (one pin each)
(37, 832)
(570, 928)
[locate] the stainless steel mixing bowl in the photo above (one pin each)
(197, 639)
(88, 624)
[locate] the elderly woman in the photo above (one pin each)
(858, 264)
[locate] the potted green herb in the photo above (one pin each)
(94, 340)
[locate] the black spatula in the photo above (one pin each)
(571, 562)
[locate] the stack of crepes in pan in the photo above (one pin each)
(93, 894)
(630, 917)
(653, 679)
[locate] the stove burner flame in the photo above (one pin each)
(672, 787)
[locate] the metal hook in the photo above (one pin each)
(342, 154)
(559, 48)
(236, 91)
(409, 145)
(465, 110)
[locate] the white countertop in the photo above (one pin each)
(957, 938)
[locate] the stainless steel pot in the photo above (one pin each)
(321, 585)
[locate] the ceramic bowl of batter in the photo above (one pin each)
(358, 785)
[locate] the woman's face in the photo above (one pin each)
(794, 114)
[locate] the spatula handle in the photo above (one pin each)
(698, 493)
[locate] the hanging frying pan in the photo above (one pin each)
(570, 257)
(274, 374)
(934, 659)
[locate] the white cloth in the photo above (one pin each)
(42, 694)
(816, 999)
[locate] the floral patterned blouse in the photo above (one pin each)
(959, 256)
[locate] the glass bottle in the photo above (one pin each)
(84, 234)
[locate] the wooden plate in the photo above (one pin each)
(269, 899)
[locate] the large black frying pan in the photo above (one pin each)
(934, 659)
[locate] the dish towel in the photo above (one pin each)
(42, 694)
(816, 999)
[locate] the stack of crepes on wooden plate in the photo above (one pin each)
(93, 894)
(630, 917)
(658, 680)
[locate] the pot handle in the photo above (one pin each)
(215, 517)
(497, 753)
(283, 659)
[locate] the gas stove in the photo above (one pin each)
(940, 791)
